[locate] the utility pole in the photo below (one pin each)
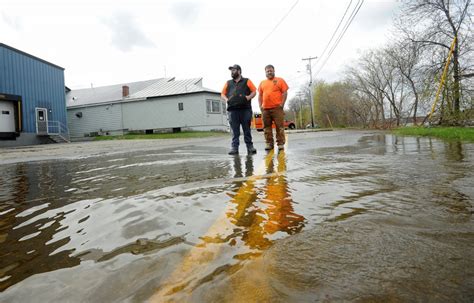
(299, 94)
(310, 86)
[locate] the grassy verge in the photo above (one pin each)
(181, 135)
(450, 133)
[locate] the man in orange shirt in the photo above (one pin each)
(238, 93)
(272, 95)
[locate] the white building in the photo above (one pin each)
(150, 106)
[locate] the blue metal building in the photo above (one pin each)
(32, 99)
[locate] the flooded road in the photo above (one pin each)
(338, 216)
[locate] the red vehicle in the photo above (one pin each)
(257, 123)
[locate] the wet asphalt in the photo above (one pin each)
(336, 216)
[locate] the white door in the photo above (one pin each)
(7, 117)
(41, 121)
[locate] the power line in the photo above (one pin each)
(346, 26)
(335, 31)
(338, 39)
(352, 16)
(276, 26)
(341, 35)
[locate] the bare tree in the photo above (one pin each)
(436, 23)
(365, 96)
(368, 79)
(300, 105)
(399, 79)
(406, 58)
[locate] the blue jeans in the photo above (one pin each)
(237, 118)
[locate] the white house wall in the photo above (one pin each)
(156, 113)
(102, 119)
(163, 112)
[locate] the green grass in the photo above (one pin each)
(181, 135)
(450, 133)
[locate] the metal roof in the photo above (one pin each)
(138, 91)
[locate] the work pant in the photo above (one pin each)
(276, 115)
(237, 118)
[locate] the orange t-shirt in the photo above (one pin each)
(272, 91)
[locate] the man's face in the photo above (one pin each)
(235, 73)
(270, 73)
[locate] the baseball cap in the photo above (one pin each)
(235, 66)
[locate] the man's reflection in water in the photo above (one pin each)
(280, 212)
(262, 205)
(238, 166)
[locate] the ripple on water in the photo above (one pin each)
(123, 225)
(378, 259)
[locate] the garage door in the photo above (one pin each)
(7, 117)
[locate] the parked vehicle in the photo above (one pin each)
(257, 123)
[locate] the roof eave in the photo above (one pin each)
(105, 103)
(137, 99)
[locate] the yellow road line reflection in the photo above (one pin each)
(256, 212)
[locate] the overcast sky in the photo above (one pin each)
(104, 42)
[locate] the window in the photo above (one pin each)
(5, 112)
(216, 106)
(180, 106)
(213, 106)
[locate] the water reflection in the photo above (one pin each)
(238, 166)
(454, 151)
(140, 246)
(260, 211)
(280, 211)
(27, 245)
(198, 227)
(46, 208)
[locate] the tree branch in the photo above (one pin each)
(430, 42)
(467, 75)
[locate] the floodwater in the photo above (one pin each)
(338, 216)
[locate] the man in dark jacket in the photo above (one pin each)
(238, 93)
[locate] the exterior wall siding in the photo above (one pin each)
(164, 113)
(216, 118)
(102, 119)
(38, 83)
(156, 113)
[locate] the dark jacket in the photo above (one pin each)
(236, 93)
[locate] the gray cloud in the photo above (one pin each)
(13, 21)
(185, 12)
(126, 33)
